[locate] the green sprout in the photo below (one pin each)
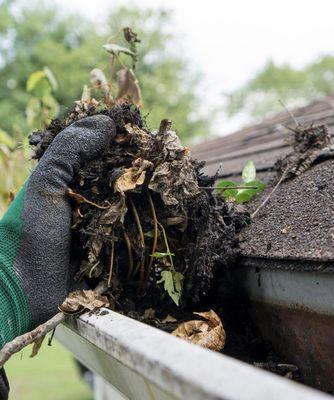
(244, 191)
(171, 279)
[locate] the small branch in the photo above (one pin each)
(20, 342)
(38, 333)
(142, 240)
(155, 237)
(265, 201)
(167, 246)
(111, 263)
(289, 112)
(128, 246)
(227, 187)
(81, 199)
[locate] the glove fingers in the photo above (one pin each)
(83, 140)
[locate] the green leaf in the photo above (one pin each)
(42, 89)
(172, 281)
(52, 79)
(249, 172)
(227, 192)
(33, 79)
(115, 49)
(158, 254)
(178, 278)
(150, 234)
(245, 195)
(258, 184)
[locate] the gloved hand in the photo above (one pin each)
(35, 233)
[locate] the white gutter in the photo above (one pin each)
(141, 362)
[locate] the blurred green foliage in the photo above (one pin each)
(295, 87)
(15, 166)
(42, 107)
(37, 34)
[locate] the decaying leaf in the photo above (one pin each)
(174, 181)
(209, 333)
(149, 313)
(86, 95)
(172, 145)
(98, 78)
(169, 319)
(124, 82)
(132, 177)
(36, 346)
(81, 300)
(128, 85)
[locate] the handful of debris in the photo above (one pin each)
(145, 219)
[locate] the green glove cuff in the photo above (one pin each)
(15, 316)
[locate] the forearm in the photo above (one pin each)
(14, 310)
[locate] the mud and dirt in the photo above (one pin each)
(145, 196)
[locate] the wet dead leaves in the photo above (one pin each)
(83, 300)
(207, 332)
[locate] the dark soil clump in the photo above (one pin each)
(141, 219)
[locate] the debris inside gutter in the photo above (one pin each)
(147, 223)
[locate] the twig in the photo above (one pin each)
(228, 187)
(51, 337)
(167, 246)
(142, 240)
(111, 263)
(20, 342)
(290, 113)
(38, 333)
(128, 246)
(81, 199)
(155, 237)
(270, 194)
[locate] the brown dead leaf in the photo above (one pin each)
(98, 78)
(132, 177)
(136, 94)
(169, 319)
(36, 346)
(124, 82)
(81, 300)
(209, 333)
(116, 212)
(128, 85)
(149, 313)
(175, 181)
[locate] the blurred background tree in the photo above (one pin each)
(37, 34)
(295, 87)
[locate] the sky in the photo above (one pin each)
(229, 41)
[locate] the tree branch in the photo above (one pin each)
(20, 342)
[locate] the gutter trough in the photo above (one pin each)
(139, 362)
(292, 304)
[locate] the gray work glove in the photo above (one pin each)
(35, 233)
